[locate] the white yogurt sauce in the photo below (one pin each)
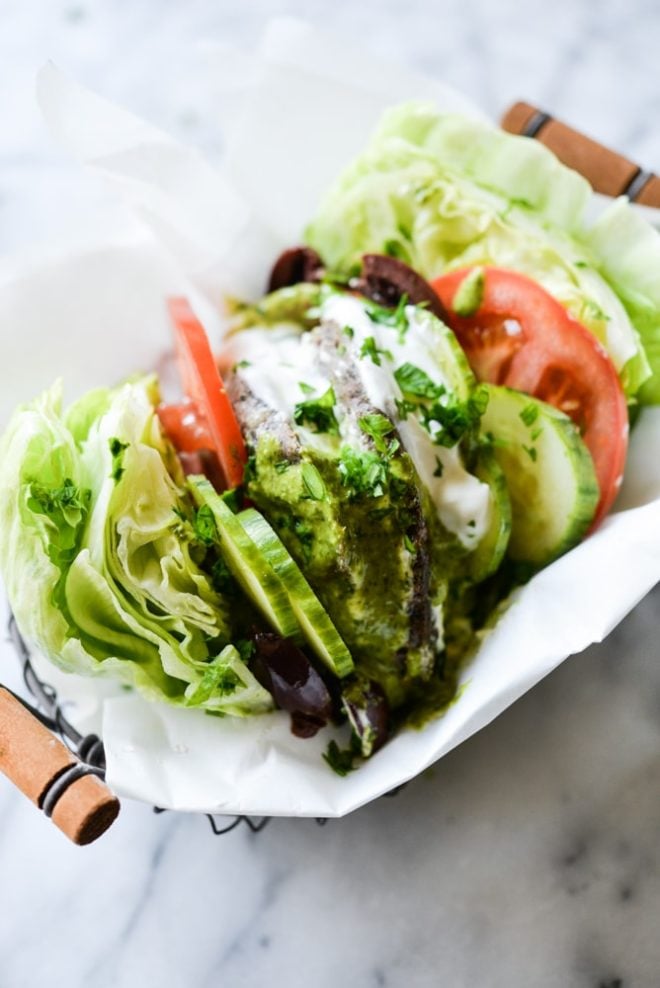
(462, 501)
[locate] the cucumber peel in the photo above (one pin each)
(549, 472)
(317, 627)
(247, 563)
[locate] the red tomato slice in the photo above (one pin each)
(521, 337)
(206, 420)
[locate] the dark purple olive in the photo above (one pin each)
(204, 461)
(386, 280)
(368, 712)
(285, 671)
(295, 265)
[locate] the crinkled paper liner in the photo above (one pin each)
(308, 102)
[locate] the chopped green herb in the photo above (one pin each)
(306, 389)
(394, 318)
(404, 407)
(363, 473)
(319, 413)
(245, 648)
(281, 466)
(233, 499)
(305, 535)
(241, 363)
(117, 450)
(414, 381)
(340, 760)
(448, 419)
(531, 452)
(222, 579)
(530, 413)
(378, 427)
(470, 293)
(409, 544)
(206, 530)
(313, 483)
(348, 331)
(535, 433)
(370, 349)
(250, 469)
(218, 679)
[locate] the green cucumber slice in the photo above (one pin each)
(549, 472)
(490, 551)
(247, 563)
(317, 627)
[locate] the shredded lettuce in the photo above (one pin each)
(441, 191)
(99, 554)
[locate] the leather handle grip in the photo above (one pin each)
(76, 800)
(607, 171)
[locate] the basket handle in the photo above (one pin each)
(71, 793)
(606, 170)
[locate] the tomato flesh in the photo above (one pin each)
(521, 337)
(206, 419)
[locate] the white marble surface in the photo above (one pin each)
(528, 857)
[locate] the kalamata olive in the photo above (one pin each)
(285, 671)
(386, 280)
(295, 265)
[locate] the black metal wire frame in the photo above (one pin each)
(89, 747)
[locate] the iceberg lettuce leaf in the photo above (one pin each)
(99, 556)
(441, 192)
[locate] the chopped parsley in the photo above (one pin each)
(281, 466)
(318, 413)
(204, 525)
(531, 452)
(233, 499)
(348, 331)
(448, 419)
(240, 364)
(222, 579)
(218, 679)
(340, 760)
(394, 318)
(415, 382)
(370, 349)
(378, 427)
(313, 483)
(306, 389)
(530, 413)
(117, 449)
(409, 544)
(404, 407)
(245, 648)
(362, 472)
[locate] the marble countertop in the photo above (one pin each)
(527, 858)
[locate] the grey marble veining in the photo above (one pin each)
(529, 857)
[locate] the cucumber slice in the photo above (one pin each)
(318, 629)
(490, 551)
(446, 353)
(549, 473)
(247, 563)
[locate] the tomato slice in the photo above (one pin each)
(521, 337)
(206, 420)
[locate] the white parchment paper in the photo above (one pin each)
(307, 107)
